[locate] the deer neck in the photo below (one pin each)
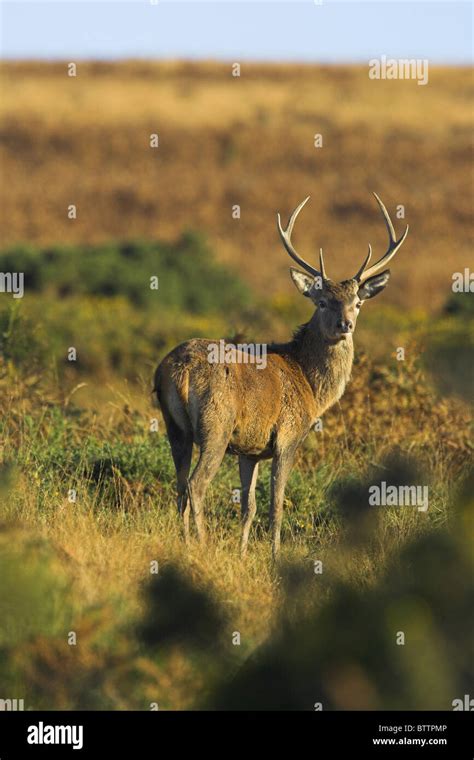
(327, 366)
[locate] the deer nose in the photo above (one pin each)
(345, 325)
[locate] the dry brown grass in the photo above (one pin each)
(246, 141)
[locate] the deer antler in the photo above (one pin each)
(285, 235)
(367, 259)
(393, 246)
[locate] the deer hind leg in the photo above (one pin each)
(213, 448)
(281, 468)
(181, 442)
(248, 477)
(182, 460)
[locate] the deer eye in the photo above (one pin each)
(358, 304)
(322, 304)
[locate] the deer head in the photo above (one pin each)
(338, 304)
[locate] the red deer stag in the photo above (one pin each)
(256, 413)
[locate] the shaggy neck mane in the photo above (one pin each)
(327, 366)
(308, 337)
(292, 346)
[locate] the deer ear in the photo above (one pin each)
(374, 285)
(304, 282)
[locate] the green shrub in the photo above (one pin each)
(22, 342)
(189, 278)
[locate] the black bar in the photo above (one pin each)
(139, 734)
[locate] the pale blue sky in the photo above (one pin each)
(276, 31)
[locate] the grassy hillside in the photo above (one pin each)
(249, 141)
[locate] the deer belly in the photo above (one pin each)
(253, 441)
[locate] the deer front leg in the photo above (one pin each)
(281, 467)
(248, 477)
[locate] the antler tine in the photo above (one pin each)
(393, 246)
(361, 270)
(285, 235)
(321, 264)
